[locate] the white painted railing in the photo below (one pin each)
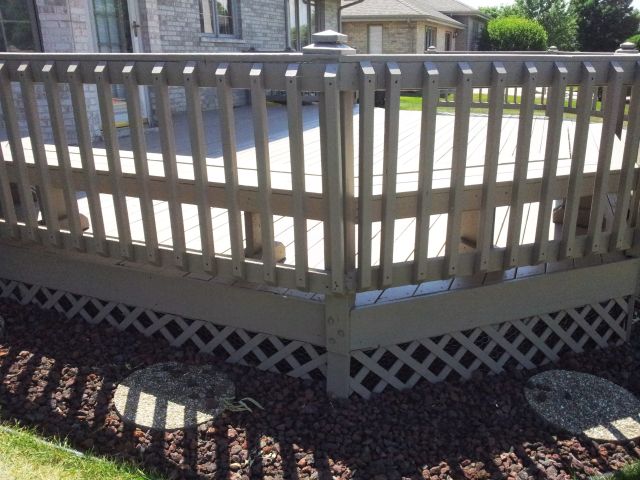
(34, 87)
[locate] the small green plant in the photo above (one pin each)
(241, 405)
(635, 39)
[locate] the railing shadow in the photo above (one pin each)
(451, 427)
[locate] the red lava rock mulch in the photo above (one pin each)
(59, 375)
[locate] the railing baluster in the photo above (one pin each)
(610, 119)
(168, 145)
(199, 156)
(365, 175)
(430, 83)
(348, 175)
(58, 129)
(17, 153)
(334, 172)
(492, 153)
(296, 148)
(525, 124)
(555, 111)
(627, 169)
(49, 211)
(134, 113)
(78, 102)
(228, 138)
(390, 168)
(112, 147)
(464, 92)
(261, 133)
(581, 136)
(8, 208)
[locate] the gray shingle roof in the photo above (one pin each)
(407, 9)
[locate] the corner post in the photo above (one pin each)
(336, 143)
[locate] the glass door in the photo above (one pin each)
(117, 31)
(302, 22)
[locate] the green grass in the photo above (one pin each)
(630, 472)
(414, 102)
(24, 455)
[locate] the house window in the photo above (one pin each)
(430, 37)
(219, 17)
(302, 22)
(447, 41)
(18, 26)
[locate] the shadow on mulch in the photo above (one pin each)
(59, 375)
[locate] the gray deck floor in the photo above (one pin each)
(281, 176)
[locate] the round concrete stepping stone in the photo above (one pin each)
(168, 396)
(584, 404)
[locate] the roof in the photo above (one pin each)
(435, 10)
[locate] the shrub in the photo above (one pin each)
(514, 33)
(635, 39)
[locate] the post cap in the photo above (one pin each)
(329, 41)
(627, 47)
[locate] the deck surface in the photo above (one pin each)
(281, 178)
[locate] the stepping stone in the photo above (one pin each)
(584, 404)
(169, 396)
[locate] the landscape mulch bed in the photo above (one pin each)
(59, 375)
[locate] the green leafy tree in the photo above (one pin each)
(513, 33)
(501, 11)
(558, 19)
(604, 24)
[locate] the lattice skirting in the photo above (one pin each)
(266, 352)
(525, 343)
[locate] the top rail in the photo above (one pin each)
(442, 188)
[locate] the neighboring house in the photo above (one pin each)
(159, 26)
(411, 26)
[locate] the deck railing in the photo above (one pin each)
(348, 210)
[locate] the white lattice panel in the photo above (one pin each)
(525, 343)
(263, 351)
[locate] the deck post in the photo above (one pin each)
(338, 340)
(338, 303)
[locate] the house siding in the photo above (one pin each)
(397, 37)
(63, 28)
(166, 26)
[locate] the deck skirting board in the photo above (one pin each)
(457, 310)
(166, 290)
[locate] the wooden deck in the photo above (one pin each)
(281, 179)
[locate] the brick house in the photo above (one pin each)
(411, 26)
(156, 26)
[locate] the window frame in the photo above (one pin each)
(434, 37)
(35, 29)
(215, 24)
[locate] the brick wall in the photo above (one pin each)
(64, 27)
(397, 37)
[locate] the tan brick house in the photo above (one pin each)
(156, 26)
(411, 26)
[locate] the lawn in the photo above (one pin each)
(24, 455)
(414, 102)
